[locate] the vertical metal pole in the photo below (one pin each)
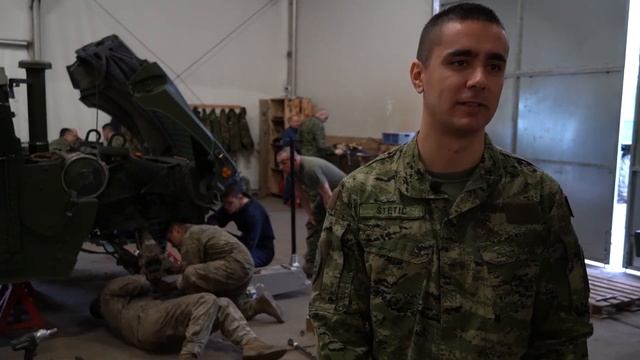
(37, 104)
(633, 223)
(515, 111)
(35, 19)
(292, 49)
(292, 203)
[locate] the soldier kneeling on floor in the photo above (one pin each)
(215, 261)
(133, 311)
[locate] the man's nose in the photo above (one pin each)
(477, 78)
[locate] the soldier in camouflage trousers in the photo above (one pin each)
(215, 261)
(182, 323)
(447, 247)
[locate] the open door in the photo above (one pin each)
(632, 241)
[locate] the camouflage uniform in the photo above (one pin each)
(215, 262)
(312, 138)
(185, 322)
(407, 273)
(60, 144)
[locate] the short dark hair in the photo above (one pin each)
(287, 150)
(236, 186)
(64, 131)
(460, 12)
(107, 125)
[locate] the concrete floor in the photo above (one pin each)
(65, 303)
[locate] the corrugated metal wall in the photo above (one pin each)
(560, 106)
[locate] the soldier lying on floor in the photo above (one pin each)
(136, 312)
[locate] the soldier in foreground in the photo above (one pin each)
(448, 247)
(214, 261)
(317, 178)
(184, 323)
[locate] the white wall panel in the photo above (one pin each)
(15, 20)
(249, 65)
(353, 59)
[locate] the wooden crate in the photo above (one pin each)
(612, 294)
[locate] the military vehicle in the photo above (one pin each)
(167, 166)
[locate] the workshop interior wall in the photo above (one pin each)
(247, 66)
(353, 59)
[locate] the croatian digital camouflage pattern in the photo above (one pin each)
(407, 273)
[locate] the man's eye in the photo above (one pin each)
(459, 63)
(496, 67)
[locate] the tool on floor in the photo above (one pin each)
(29, 343)
(297, 346)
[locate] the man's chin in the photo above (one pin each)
(469, 127)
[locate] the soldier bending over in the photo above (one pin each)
(215, 261)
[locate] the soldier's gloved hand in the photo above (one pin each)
(176, 266)
(163, 286)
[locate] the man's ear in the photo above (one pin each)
(415, 72)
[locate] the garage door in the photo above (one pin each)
(560, 106)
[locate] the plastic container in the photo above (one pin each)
(397, 138)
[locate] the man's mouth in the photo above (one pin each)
(471, 104)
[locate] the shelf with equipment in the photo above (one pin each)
(274, 113)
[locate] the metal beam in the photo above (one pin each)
(564, 72)
(573, 163)
(15, 42)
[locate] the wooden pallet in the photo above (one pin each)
(610, 295)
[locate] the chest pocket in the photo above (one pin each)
(510, 257)
(395, 231)
(517, 244)
(402, 239)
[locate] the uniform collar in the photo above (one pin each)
(415, 181)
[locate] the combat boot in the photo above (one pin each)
(266, 304)
(256, 349)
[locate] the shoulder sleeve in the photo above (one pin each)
(318, 178)
(561, 319)
(190, 252)
(253, 233)
(339, 306)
